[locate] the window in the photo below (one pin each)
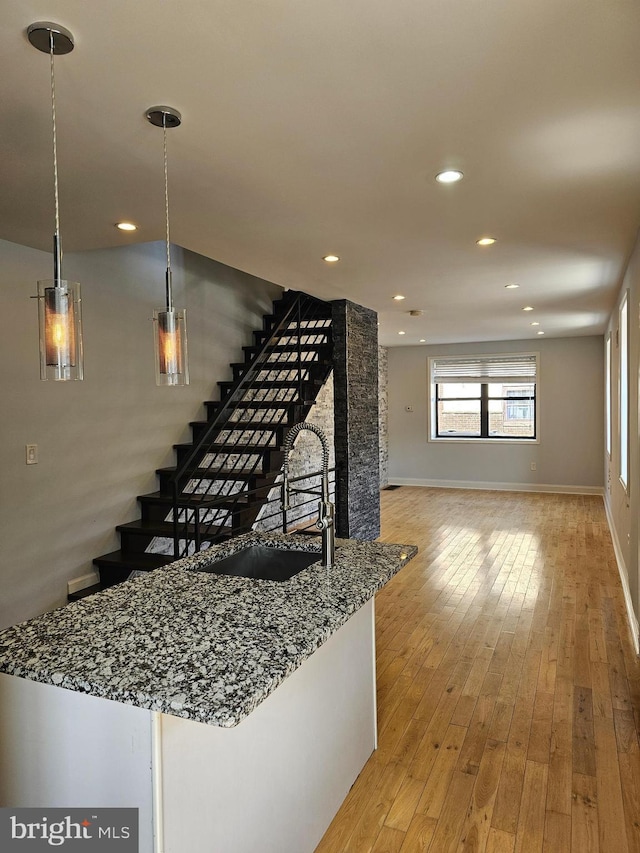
(623, 396)
(518, 406)
(607, 393)
(484, 397)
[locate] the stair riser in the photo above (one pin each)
(285, 358)
(291, 390)
(279, 373)
(322, 349)
(199, 430)
(290, 372)
(271, 321)
(271, 458)
(289, 412)
(157, 511)
(138, 544)
(135, 543)
(111, 576)
(249, 484)
(310, 339)
(286, 418)
(239, 437)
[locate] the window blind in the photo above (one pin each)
(485, 368)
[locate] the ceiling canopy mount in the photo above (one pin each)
(43, 33)
(164, 117)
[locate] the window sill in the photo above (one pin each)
(514, 442)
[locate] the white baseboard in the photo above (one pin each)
(624, 579)
(498, 487)
(77, 584)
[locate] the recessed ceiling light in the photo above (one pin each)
(331, 259)
(126, 226)
(423, 340)
(486, 241)
(528, 308)
(535, 323)
(398, 297)
(511, 286)
(449, 176)
(402, 333)
(541, 333)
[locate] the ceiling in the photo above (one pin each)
(312, 128)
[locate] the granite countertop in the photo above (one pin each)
(201, 646)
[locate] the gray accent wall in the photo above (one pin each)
(355, 342)
(568, 453)
(101, 440)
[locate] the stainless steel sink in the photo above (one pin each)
(262, 563)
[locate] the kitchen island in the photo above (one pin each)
(234, 713)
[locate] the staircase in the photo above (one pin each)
(222, 479)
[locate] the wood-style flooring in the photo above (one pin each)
(508, 686)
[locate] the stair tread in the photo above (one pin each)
(231, 473)
(256, 404)
(243, 425)
(162, 529)
(320, 317)
(225, 447)
(279, 364)
(276, 347)
(135, 561)
(194, 499)
(277, 383)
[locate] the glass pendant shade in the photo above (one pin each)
(60, 327)
(170, 333)
(59, 304)
(170, 324)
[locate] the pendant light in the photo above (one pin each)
(170, 324)
(59, 301)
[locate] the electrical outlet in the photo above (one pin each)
(533, 466)
(31, 454)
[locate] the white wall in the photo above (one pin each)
(570, 401)
(623, 506)
(101, 440)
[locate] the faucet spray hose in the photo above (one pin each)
(288, 444)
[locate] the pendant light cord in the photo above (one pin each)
(56, 240)
(166, 213)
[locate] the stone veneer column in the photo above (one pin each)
(355, 369)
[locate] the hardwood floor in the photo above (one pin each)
(508, 686)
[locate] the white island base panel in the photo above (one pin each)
(63, 749)
(271, 784)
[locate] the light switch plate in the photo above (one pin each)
(31, 454)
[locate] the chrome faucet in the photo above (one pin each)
(326, 512)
